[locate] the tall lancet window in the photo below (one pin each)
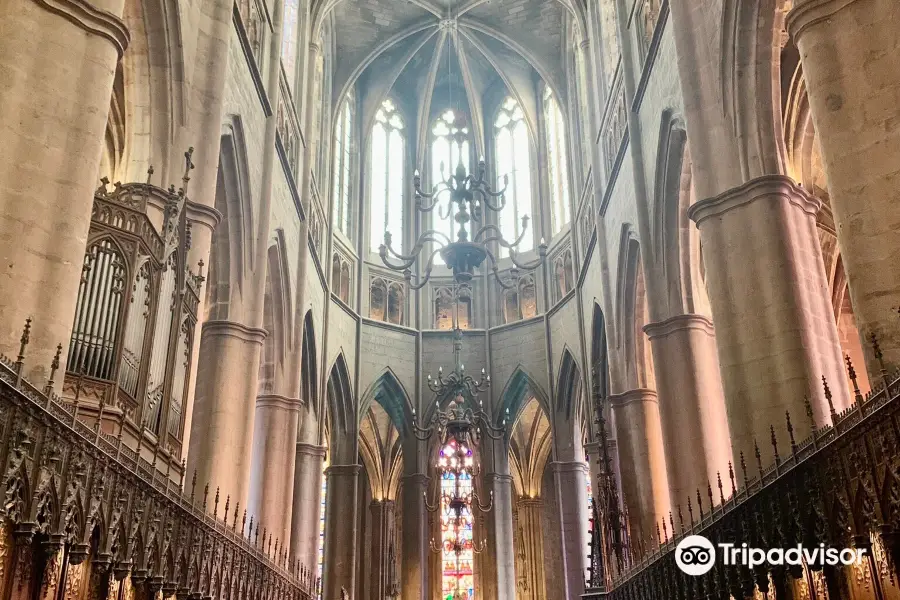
(386, 160)
(511, 148)
(449, 146)
(556, 161)
(340, 174)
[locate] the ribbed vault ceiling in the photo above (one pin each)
(435, 54)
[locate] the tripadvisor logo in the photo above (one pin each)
(696, 555)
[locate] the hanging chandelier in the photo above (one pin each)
(467, 198)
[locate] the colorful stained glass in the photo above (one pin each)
(457, 555)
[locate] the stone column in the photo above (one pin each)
(222, 426)
(382, 531)
(414, 547)
(500, 537)
(307, 505)
(571, 489)
(204, 220)
(341, 526)
(848, 49)
(58, 60)
(530, 549)
(692, 405)
(645, 485)
(775, 328)
(274, 457)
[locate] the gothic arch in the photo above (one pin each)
(530, 444)
(633, 315)
(751, 88)
(567, 420)
(276, 317)
(151, 98)
(230, 259)
(389, 393)
(341, 414)
(520, 388)
(309, 386)
(599, 350)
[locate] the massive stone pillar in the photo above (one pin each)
(414, 561)
(307, 504)
(502, 579)
(530, 549)
(570, 479)
(224, 406)
(58, 60)
(341, 526)
(645, 486)
(848, 50)
(775, 328)
(382, 524)
(274, 457)
(692, 403)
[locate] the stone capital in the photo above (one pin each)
(569, 466)
(342, 471)
(807, 13)
(530, 502)
(92, 20)
(200, 214)
(680, 323)
(381, 505)
(235, 330)
(311, 450)
(415, 479)
(766, 188)
(633, 396)
(498, 478)
(279, 402)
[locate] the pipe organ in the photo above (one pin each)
(129, 357)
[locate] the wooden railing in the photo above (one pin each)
(839, 487)
(82, 508)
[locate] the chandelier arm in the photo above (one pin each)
(432, 235)
(487, 194)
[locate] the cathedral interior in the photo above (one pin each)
(447, 299)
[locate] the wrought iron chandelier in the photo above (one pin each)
(466, 197)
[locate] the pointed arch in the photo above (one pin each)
(309, 386)
(389, 393)
(567, 419)
(519, 389)
(230, 259)
(633, 314)
(277, 319)
(341, 413)
(672, 229)
(599, 351)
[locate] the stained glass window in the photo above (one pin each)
(343, 136)
(556, 160)
(447, 151)
(511, 148)
(386, 192)
(457, 555)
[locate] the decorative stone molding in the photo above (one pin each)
(278, 401)
(416, 479)
(238, 331)
(810, 12)
(342, 471)
(91, 19)
(569, 466)
(767, 187)
(498, 478)
(633, 396)
(201, 214)
(311, 450)
(680, 323)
